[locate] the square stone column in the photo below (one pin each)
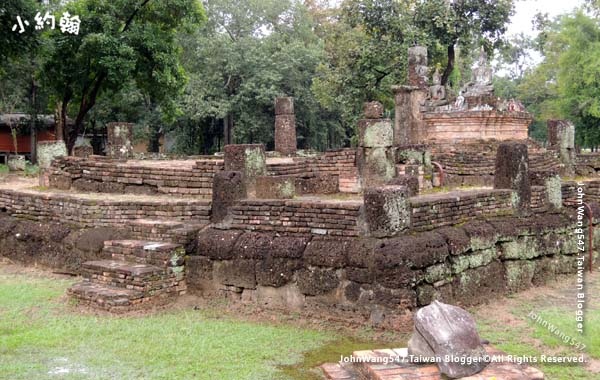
(120, 140)
(228, 187)
(386, 211)
(512, 172)
(409, 127)
(285, 126)
(417, 67)
(375, 156)
(248, 159)
(561, 138)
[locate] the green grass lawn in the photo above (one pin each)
(42, 337)
(518, 334)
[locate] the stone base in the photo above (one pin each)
(395, 365)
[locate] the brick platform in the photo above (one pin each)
(86, 210)
(371, 365)
(99, 174)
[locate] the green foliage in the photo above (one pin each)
(566, 85)
(13, 43)
(466, 23)
(119, 40)
(247, 54)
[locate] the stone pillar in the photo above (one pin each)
(512, 172)
(561, 138)
(386, 210)
(409, 127)
(228, 187)
(249, 159)
(285, 126)
(417, 67)
(48, 151)
(375, 156)
(120, 140)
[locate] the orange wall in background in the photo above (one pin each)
(23, 142)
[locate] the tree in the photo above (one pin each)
(248, 53)
(461, 22)
(365, 44)
(118, 40)
(14, 43)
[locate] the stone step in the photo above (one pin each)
(165, 230)
(123, 269)
(145, 252)
(145, 278)
(104, 296)
(115, 299)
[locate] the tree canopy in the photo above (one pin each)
(207, 72)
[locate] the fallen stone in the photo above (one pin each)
(447, 330)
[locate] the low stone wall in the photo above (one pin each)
(587, 164)
(99, 174)
(379, 279)
(298, 217)
(474, 164)
(340, 163)
(96, 212)
(590, 190)
(437, 210)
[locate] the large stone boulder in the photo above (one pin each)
(446, 331)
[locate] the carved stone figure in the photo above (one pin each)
(481, 83)
(459, 104)
(437, 91)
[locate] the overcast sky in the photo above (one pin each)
(526, 9)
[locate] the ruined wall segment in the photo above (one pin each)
(99, 212)
(380, 279)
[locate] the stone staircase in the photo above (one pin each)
(140, 273)
(388, 364)
(134, 274)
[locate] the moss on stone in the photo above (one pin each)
(523, 248)
(437, 273)
(255, 162)
(519, 274)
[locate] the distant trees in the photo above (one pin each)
(566, 84)
(208, 72)
(119, 41)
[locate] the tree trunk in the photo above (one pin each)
(450, 64)
(228, 129)
(33, 134)
(58, 122)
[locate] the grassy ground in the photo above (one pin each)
(43, 337)
(541, 321)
